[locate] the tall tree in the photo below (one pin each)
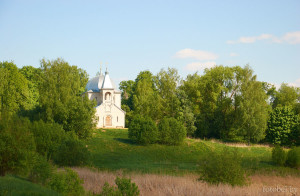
(146, 100)
(253, 108)
(14, 94)
(61, 97)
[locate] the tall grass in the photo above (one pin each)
(152, 184)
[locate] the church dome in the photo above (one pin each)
(100, 82)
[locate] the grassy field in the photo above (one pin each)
(15, 186)
(112, 150)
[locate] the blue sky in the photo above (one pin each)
(131, 36)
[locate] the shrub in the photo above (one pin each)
(125, 188)
(41, 171)
(72, 152)
(143, 130)
(17, 148)
(282, 127)
(48, 137)
(293, 158)
(224, 167)
(171, 131)
(67, 183)
(278, 155)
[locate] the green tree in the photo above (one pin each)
(14, 94)
(283, 127)
(146, 99)
(171, 131)
(253, 108)
(286, 96)
(61, 97)
(33, 76)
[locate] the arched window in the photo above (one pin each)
(107, 96)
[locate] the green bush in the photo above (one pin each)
(72, 152)
(223, 167)
(278, 155)
(171, 131)
(293, 158)
(125, 188)
(17, 147)
(48, 137)
(67, 183)
(143, 130)
(41, 171)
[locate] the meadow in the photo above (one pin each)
(112, 150)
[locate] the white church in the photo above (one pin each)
(108, 110)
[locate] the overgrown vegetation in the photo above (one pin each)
(279, 155)
(293, 158)
(124, 188)
(223, 167)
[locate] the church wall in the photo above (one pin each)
(118, 99)
(116, 116)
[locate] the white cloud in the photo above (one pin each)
(196, 54)
(198, 66)
(233, 54)
(290, 38)
(296, 83)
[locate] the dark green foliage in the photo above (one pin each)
(14, 186)
(108, 190)
(72, 152)
(66, 183)
(171, 131)
(125, 188)
(41, 170)
(283, 127)
(48, 137)
(17, 147)
(223, 167)
(143, 130)
(278, 155)
(293, 158)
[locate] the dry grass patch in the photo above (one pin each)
(151, 184)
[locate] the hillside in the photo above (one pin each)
(112, 150)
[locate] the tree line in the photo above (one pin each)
(226, 103)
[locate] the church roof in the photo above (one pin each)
(100, 82)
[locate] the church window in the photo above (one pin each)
(107, 96)
(117, 118)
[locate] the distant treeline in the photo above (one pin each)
(226, 103)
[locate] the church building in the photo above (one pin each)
(108, 110)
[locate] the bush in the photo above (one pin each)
(282, 127)
(67, 183)
(224, 167)
(143, 130)
(48, 137)
(293, 158)
(17, 148)
(171, 131)
(41, 171)
(278, 155)
(125, 188)
(72, 152)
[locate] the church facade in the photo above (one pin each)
(108, 110)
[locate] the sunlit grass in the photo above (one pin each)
(112, 150)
